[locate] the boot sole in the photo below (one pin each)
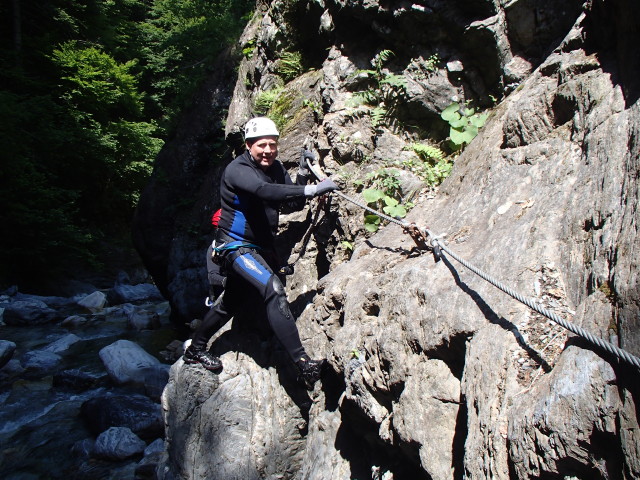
(211, 369)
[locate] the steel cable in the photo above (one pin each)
(435, 242)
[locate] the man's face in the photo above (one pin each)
(264, 151)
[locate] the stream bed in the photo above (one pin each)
(42, 433)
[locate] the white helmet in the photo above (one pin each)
(260, 127)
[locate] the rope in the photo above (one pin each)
(437, 244)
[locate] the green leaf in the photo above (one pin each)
(465, 136)
(372, 195)
(451, 113)
(396, 211)
(479, 120)
(347, 245)
(459, 124)
(390, 202)
(371, 222)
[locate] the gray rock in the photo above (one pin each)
(259, 429)
(154, 455)
(94, 302)
(127, 362)
(12, 368)
(147, 467)
(434, 373)
(154, 379)
(40, 362)
(62, 344)
(136, 412)
(118, 443)
(6, 351)
(157, 446)
(51, 301)
(83, 448)
(140, 318)
(78, 380)
(75, 321)
(28, 312)
(123, 293)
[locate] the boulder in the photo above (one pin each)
(123, 293)
(74, 321)
(94, 302)
(127, 362)
(83, 448)
(154, 455)
(39, 363)
(62, 344)
(141, 318)
(78, 380)
(6, 351)
(28, 312)
(135, 412)
(118, 443)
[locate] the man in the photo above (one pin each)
(252, 188)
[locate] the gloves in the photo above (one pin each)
(304, 168)
(321, 188)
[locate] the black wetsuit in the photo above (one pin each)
(245, 237)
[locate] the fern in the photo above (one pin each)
(427, 152)
(382, 58)
(394, 81)
(378, 116)
(289, 65)
(265, 100)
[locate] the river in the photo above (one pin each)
(40, 417)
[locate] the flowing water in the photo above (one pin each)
(40, 417)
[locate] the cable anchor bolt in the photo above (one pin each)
(417, 235)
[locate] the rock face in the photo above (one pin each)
(434, 373)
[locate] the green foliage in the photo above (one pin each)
(427, 152)
(88, 91)
(289, 65)
(265, 100)
(387, 180)
(179, 40)
(432, 165)
(95, 83)
(347, 245)
(101, 97)
(384, 194)
(464, 123)
(39, 212)
(248, 48)
(281, 108)
(386, 91)
(431, 64)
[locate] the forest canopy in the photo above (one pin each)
(90, 90)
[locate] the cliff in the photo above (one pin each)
(434, 373)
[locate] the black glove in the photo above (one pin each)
(304, 167)
(325, 186)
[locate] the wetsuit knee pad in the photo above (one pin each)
(275, 285)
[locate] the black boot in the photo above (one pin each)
(310, 370)
(204, 358)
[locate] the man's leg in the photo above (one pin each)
(213, 321)
(251, 267)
